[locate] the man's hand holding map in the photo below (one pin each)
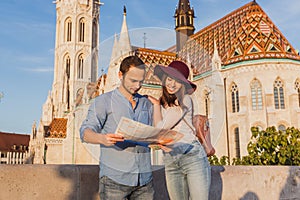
(136, 131)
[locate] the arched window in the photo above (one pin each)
(68, 30)
(237, 142)
(278, 94)
(66, 97)
(256, 95)
(80, 67)
(282, 128)
(235, 98)
(95, 36)
(81, 29)
(182, 20)
(68, 65)
(297, 88)
(207, 103)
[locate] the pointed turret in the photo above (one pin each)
(216, 60)
(184, 23)
(124, 41)
(115, 51)
(121, 49)
(33, 131)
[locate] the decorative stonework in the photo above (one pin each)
(264, 67)
(54, 141)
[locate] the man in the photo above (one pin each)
(125, 166)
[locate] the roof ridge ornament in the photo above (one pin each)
(124, 10)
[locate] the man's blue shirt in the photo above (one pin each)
(126, 163)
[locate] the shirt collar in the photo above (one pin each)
(135, 96)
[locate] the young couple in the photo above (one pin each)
(125, 166)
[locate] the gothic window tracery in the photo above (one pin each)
(68, 30)
(66, 80)
(81, 29)
(237, 142)
(256, 95)
(279, 94)
(235, 98)
(68, 65)
(80, 67)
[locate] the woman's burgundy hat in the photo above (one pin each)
(177, 70)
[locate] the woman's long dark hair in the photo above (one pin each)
(168, 99)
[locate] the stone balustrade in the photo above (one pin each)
(13, 157)
(80, 182)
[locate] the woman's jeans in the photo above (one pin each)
(188, 173)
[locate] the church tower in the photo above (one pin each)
(184, 23)
(76, 52)
(75, 67)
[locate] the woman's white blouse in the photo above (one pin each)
(171, 115)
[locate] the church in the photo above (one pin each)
(247, 74)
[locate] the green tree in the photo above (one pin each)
(214, 160)
(272, 147)
(268, 147)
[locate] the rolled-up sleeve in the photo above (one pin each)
(95, 117)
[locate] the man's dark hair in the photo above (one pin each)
(131, 61)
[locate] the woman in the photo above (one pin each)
(187, 168)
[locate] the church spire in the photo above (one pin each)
(124, 41)
(184, 23)
(121, 49)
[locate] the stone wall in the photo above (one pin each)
(80, 182)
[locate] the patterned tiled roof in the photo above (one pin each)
(151, 58)
(245, 34)
(57, 128)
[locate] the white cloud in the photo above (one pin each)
(39, 70)
(34, 26)
(32, 59)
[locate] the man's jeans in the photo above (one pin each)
(188, 174)
(110, 190)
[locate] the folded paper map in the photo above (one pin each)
(136, 131)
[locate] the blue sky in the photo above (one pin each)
(27, 39)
